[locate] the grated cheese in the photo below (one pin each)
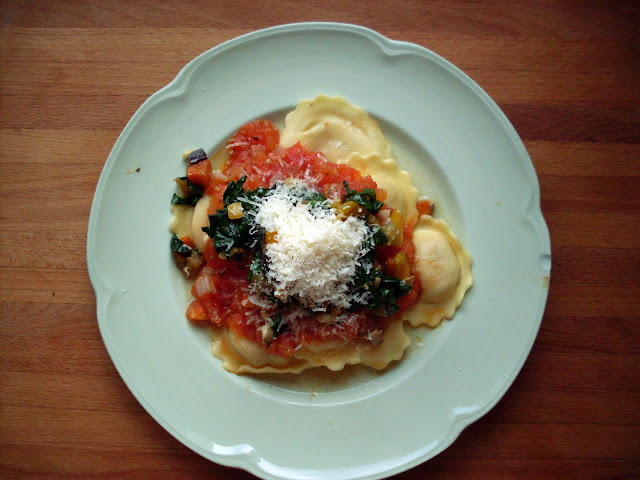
(315, 254)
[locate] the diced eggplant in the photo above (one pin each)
(197, 156)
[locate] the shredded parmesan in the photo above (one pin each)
(315, 254)
(260, 301)
(237, 144)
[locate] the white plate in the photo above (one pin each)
(460, 149)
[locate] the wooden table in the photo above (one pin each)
(72, 73)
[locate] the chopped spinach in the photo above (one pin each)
(279, 325)
(234, 189)
(315, 200)
(227, 234)
(240, 233)
(178, 246)
(256, 267)
(177, 200)
(378, 237)
(383, 298)
(192, 193)
(193, 190)
(313, 196)
(366, 198)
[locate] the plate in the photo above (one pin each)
(460, 149)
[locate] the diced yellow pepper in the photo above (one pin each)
(350, 208)
(401, 268)
(235, 211)
(270, 237)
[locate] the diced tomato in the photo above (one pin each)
(258, 132)
(410, 250)
(425, 207)
(196, 312)
(411, 298)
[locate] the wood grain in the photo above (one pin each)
(566, 74)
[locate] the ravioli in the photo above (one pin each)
(200, 219)
(335, 127)
(346, 134)
(241, 356)
(444, 267)
(181, 221)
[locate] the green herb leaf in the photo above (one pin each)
(227, 234)
(234, 189)
(313, 196)
(256, 268)
(177, 200)
(378, 238)
(315, 200)
(242, 232)
(190, 192)
(383, 300)
(279, 325)
(366, 198)
(178, 246)
(193, 189)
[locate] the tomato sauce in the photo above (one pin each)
(254, 152)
